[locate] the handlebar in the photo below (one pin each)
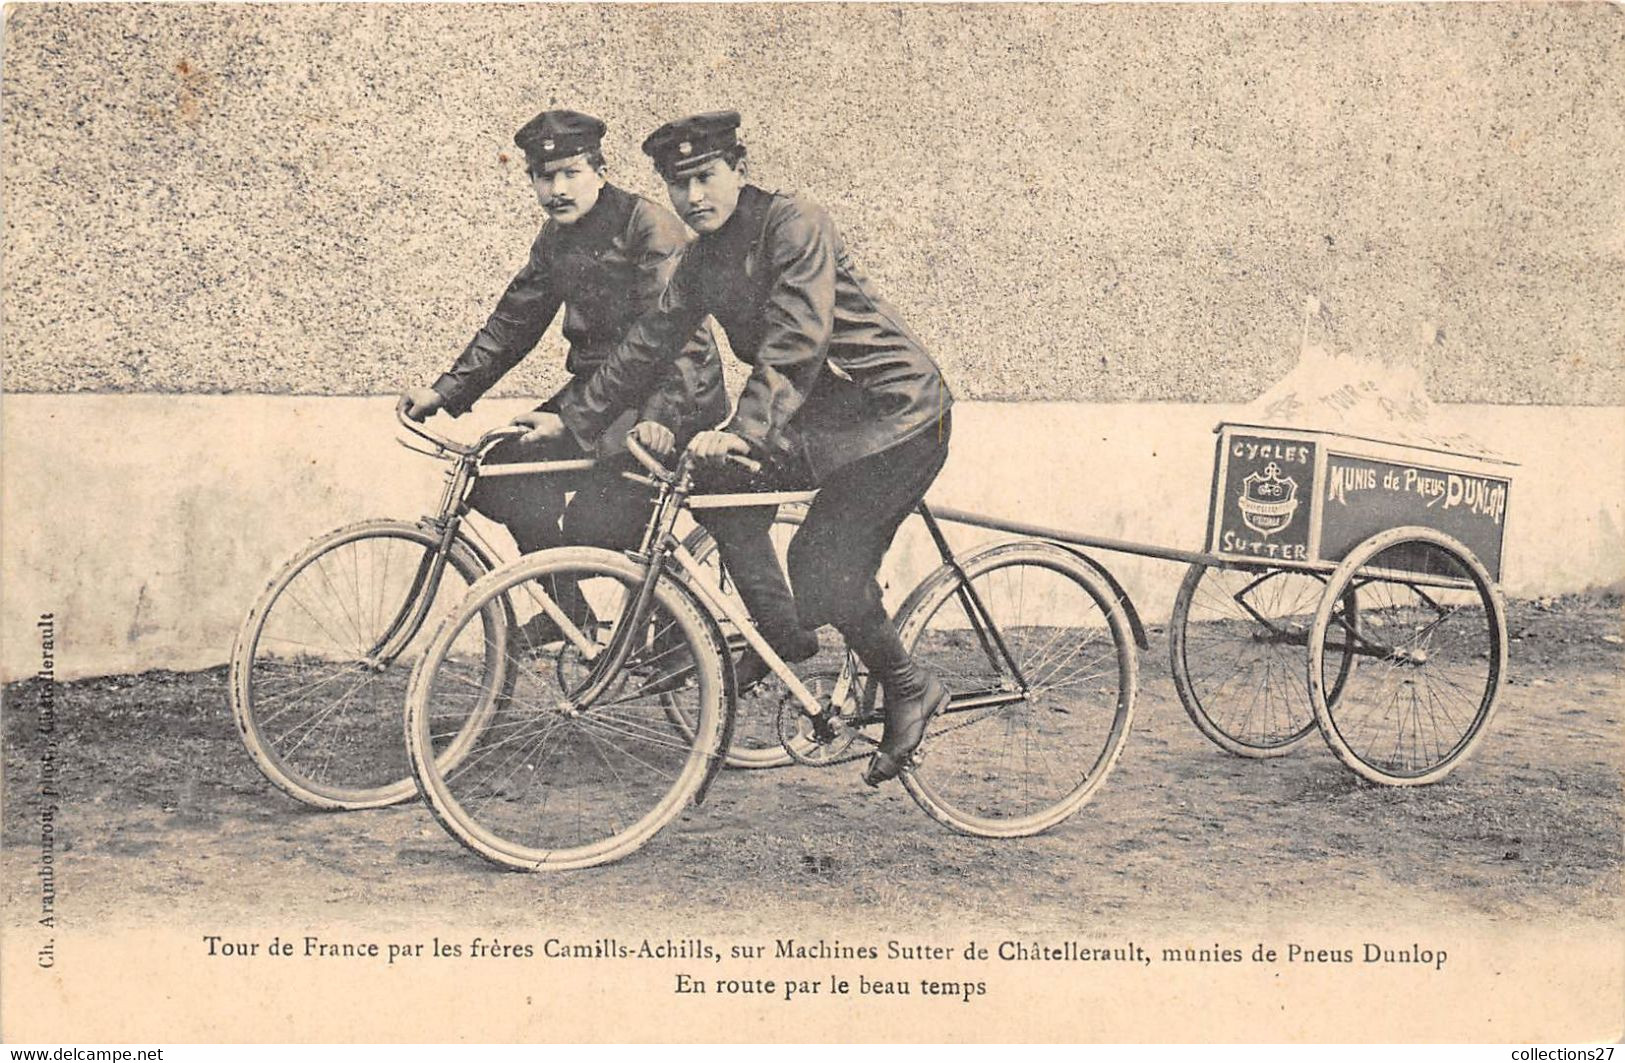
(685, 462)
(653, 464)
(451, 446)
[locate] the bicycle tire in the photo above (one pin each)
(1453, 659)
(1237, 664)
(333, 748)
(983, 788)
(617, 770)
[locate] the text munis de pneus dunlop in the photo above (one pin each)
(957, 968)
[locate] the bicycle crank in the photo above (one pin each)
(827, 739)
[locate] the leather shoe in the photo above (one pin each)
(750, 669)
(530, 637)
(905, 729)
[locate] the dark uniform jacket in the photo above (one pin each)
(607, 270)
(836, 375)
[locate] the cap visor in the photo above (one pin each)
(551, 166)
(689, 164)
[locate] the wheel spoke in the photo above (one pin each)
(318, 723)
(1414, 712)
(1020, 767)
(548, 782)
(1236, 646)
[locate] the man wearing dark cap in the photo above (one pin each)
(840, 395)
(605, 255)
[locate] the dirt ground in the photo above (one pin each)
(162, 812)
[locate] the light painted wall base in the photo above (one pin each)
(147, 524)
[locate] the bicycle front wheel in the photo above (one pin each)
(549, 783)
(1039, 657)
(1430, 635)
(320, 666)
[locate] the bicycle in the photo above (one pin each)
(320, 664)
(603, 743)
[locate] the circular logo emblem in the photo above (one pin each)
(685, 148)
(547, 145)
(1267, 502)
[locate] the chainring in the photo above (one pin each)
(824, 745)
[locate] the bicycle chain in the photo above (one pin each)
(793, 723)
(847, 737)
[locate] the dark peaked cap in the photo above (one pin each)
(683, 146)
(554, 135)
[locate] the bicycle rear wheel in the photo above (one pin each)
(1236, 642)
(1430, 632)
(544, 783)
(319, 669)
(1039, 657)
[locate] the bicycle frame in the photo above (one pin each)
(661, 552)
(466, 466)
(976, 611)
(987, 633)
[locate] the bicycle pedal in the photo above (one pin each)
(825, 728)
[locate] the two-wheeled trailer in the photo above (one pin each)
(1349, 583)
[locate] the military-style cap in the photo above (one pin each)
(554, 135)
(683, 146)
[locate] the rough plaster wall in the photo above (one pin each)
(1090, 202)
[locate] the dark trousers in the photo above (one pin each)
(837, 552)
(607, 509)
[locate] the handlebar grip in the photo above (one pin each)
(402, 415)
(438, 441)
(748, 464)
(648, 460)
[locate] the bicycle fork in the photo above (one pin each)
(420, 596)
(659, 544)
(414, 609)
